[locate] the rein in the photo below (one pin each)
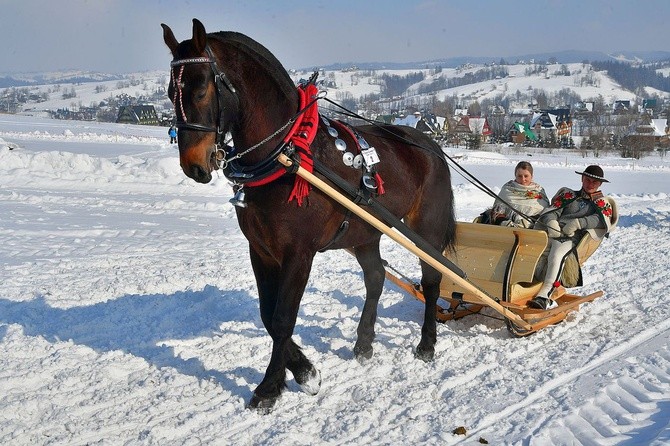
(296, 144)
(462, 171)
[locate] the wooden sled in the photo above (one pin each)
(492, 266)
(501, 261)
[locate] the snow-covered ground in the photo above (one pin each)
(128, 315)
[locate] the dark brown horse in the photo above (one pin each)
(226, 83)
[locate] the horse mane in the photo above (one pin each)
(261, 55)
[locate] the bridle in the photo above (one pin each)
(226, 156)
(221, 81)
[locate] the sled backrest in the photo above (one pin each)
(586, 247)
(494, 256)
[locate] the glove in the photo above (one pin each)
(571, 227)
(553, 229)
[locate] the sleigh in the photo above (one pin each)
(490, 266)
(501, 261)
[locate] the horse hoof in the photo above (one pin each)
(424, 355)
(262, 405)
(363, 355)
(310, 382)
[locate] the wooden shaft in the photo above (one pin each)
(400, 239)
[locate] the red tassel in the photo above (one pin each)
(380, 184)
(300, 190)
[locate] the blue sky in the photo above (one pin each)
(124, 35)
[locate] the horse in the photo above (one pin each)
(227, 85)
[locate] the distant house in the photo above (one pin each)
(138, 114)
(584, 107)
(649, 104)
(468, 125)
(555, 123)
(521, 112)
(428, 123)
(655, 133)
(620, 107)
(520, 132)
(660, 127)
(498, 110)
(409, 120)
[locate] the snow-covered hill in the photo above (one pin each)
(582, 80)
(351, 83)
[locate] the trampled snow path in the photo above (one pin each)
(128, 315)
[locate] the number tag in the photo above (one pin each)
(370, 156)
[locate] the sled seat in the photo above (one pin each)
(500, 260)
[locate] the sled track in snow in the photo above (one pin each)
(635, 403)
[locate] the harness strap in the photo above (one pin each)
(391, 220)
(299, 138)
(340, 232)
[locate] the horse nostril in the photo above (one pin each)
(199, 174)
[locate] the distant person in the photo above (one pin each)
(526, 198)
(570, 215)
(173, 134)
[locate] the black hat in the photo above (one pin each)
(595, 172)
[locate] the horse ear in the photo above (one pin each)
(199, 36)
(169, 38)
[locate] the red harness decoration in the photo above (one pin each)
(302, 135)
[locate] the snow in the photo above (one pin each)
(128, 314)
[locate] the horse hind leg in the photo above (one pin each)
(370, 260)
(434, 221)
(430, 284)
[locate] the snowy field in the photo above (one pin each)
(128, 315)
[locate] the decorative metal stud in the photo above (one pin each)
(340, 145)
(358, 161)
(348, 158)
(332, 132)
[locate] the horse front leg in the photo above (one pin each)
(280, 291)
(430, 283)
(373, 272)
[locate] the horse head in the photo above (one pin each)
(225, 82)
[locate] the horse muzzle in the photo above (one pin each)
(198, 162)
